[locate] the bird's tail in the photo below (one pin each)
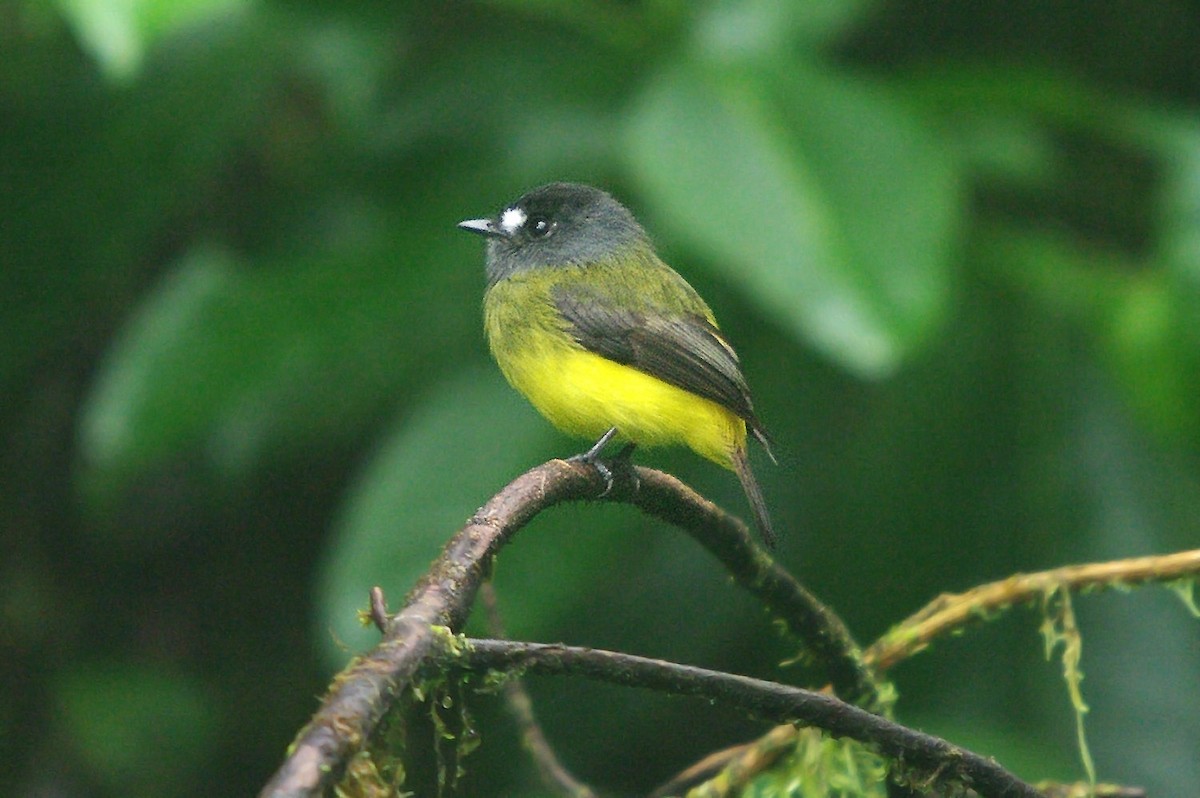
(758, 505)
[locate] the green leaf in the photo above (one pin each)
(1145, 321)
(1178, 148)
(730, 30)
(118, 32)
(98, 181)
(826, 202)
(238, 361)
(142, 730)
(1153, 343)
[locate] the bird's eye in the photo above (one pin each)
(539, 226)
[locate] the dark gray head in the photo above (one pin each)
(555, 225)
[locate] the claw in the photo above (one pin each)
(607, 474)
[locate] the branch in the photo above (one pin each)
(1083, 789)
(953, 611)
(363, 692)
(922, 755)
(741, 764)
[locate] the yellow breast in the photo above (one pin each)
(584, 394)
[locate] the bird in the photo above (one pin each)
(606, 340)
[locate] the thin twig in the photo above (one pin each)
(379, 613)
(950, 611)
(1082, 789)
(744, 762)
(923, 756)
(554, 774)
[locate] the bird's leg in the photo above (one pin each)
(592, 458)
(591, 454)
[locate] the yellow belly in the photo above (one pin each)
(584, 394)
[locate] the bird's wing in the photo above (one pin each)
(681, 348)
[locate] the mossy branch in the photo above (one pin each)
(362, 694)
(950, 611)
(926, 759)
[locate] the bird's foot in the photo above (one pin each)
(592, 457)
(589, 458)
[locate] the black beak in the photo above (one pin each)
(484, 227)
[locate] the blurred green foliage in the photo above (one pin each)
(242, 377)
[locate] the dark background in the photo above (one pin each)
(243, 379)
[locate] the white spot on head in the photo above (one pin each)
(512, 220)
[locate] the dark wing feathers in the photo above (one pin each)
(683, 349)
(690, 353)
